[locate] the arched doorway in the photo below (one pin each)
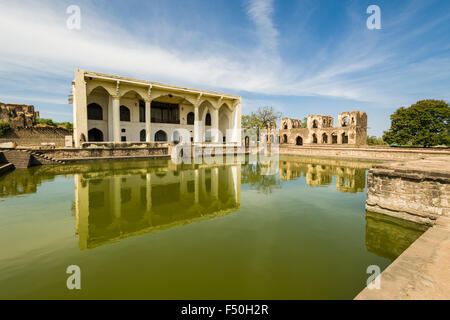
(299, 141)
(324, 138)
(314, 138)
(285, 138)
(247, 141)
(334, 138)
(190, 118)
(344, 138)
(95, 135)
(160, 136)
(142, 135)
(315, 124)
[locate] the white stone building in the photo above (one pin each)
(109, 108)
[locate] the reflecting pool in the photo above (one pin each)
(150, 229)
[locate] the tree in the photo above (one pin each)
(425, 123)
(305, 122)
(263, 118)
(375, 141)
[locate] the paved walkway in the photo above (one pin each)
(421, 272)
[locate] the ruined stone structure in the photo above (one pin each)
(19, 115)
(351, 130)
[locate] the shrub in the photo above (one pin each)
(4, 127)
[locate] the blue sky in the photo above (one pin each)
(301, 57)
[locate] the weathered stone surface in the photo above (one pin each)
(418, 190)
(421, 272)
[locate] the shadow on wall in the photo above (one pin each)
(388, 237)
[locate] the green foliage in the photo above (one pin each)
(374, 141)
(4, 127)
(305, 122)
(425, 123)
(263, 118)
(49, 122)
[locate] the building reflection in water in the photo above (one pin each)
(115, 205)
(350, 176)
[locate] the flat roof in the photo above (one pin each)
(110, 77)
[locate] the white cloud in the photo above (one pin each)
(41, 51)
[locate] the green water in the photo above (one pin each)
(149, 229)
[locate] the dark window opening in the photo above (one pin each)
(142, 135)
(190, 118)
(165, 113)
(160, 136)
(125, 114)
(141, 111)
(95, 112)
(208, 120)
(299, 141)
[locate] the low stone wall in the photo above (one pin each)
(85, 154)
(36, 136)
(18, 158)
(368, 153)
(418, 190)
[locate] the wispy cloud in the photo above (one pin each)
(42, 53)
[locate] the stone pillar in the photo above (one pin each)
(236, 115)
(80, 123)
(116, 118)
(197, 125)
(110, 119)
(148, 119)
(215, 125)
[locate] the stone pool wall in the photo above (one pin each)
(366, 153)
(417, 191)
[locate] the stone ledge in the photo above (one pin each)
(420, 272)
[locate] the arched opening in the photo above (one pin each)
(125, 114)
(299, 141)
(334, 138)
(190, 118)
(315, 124)
(208, 119)
(285, 126)
(247, 141)
(142, 135)
(324, 138)
(160, 136)
(95, 135)
(95, 112)
(285, 138)
(344, 138)
(314, 138)
(345, 121)
(176, 136)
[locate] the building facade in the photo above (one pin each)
(117, 109)
(351, 130)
